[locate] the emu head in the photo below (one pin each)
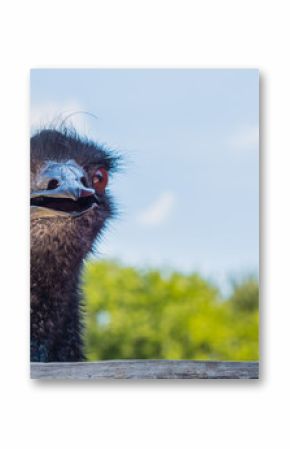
(69, 200)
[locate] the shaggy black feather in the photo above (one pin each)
(59, 246)
(51, 144)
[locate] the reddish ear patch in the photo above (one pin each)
(100, 180)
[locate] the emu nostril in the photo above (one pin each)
(53, 184)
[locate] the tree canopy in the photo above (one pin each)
(132, 313)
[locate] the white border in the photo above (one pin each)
(145, 34)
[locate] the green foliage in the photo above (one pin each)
(143, 314)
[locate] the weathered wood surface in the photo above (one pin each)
(146, 369)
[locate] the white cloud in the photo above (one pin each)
(53, 113)
(245, 138)
(158, 211)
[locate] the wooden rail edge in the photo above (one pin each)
(146, 369)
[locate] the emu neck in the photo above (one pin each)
(55, 304)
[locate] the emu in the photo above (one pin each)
(69, 207)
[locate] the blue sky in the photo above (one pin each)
(189, 194)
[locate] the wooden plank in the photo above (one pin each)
(146, 369)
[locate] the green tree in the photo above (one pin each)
(144, 314)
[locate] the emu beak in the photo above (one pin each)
(62, 191)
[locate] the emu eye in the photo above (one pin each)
(100, 180)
